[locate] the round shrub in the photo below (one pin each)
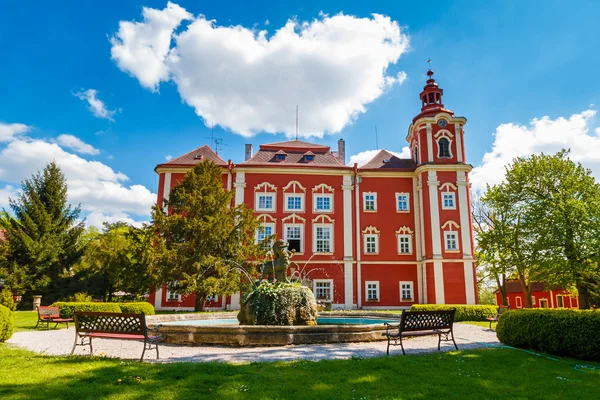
(464, 312)
(137, 308)
(67, 309)
(6, 299)
(568, 333)
(7, 324)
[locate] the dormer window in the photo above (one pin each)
(387, 161)
(280, 155)
(309, 156)
(198, 156)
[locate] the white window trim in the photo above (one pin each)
(169, 298)
(374, 235)
(367, 283)
(364, 196)
(543, 301)
(457, 249)
(331, 238)
(302, 244)
(562, 299)
(330, 281)
(412, 291)
(407, 202)
(285, 202)
(272, 195)
(265, 224)
(214, 298)
(437, 141)
(444, 207)
(410, 246)
(519, 302)
(330, 196)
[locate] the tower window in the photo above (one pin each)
(431, 98)
(444, 148)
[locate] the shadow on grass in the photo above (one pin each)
(497, 373)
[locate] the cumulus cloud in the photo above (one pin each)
(95, 105)
(97, 219)
(9, 131)
(249, 82)
(542, 135)
(365, 156)
(76, 144)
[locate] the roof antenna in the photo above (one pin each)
(376, 141)
(296, 121)
(217, 141)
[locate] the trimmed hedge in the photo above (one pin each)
(463, 312)
(7, 324)
(67, 308)
(568, 333)
(137, 308)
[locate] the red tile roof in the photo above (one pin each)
(194, 157)
(386, 160)
(295, 150)
(514, 286)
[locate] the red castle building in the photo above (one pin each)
(387, 235)
(541, 296)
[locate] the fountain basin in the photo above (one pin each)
(221, 329)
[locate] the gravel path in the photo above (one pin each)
(60, 342)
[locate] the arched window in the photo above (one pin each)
(444, 148)
(416, 155)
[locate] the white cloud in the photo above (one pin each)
(249, 82)
(541, 135)
(169, 157)
(76, 144)
(96, 106)
(9, 131)
(97, 219)
(365, 156)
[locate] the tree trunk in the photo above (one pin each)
(584, 296)
(200, 299)
(526, 291)
(502, 289)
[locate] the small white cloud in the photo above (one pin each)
(9, 131)
(97, 219)
(365, 156)
(76, 144)
(95, 105)
(169, 157)
(267, 22)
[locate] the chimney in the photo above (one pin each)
(248, 152)
(341, 153)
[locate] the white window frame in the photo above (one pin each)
(364, 196)
(286, 196)
(330, 281)
(533, 300)
(268, 194)
(365, 240)
(376, 283)
(519, 302)
(545, 301)
(448, 233)
(324, 211)
(285, 235)
(405, 236)
(412, 291)
(453, 196)
(169, 295)
(213, 297)
(330, 226)
(264, 225)
(562, 300)
(407, 202)
(449, 147)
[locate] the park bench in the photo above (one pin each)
(501, 309)
(48, 315)
(89, 325)
(421, 323)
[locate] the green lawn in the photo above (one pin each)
(26, 320)
(488, 373)
(484, 324)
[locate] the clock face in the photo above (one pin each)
(442, 123)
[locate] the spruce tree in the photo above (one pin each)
(42, 233)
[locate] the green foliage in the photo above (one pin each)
(7, 323)
(569, 333)
(42, 234)
(67, 309)
(205, 245)
(278, 303)
(6, 299)
(137, 308)
(80, 297)
(463, 312)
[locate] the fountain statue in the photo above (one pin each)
(277, 301)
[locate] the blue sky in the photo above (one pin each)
(501, 64)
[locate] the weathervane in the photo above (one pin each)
(429, 62)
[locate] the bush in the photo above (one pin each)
(568, 333)
(137, 308)
(6, 299)
(7, 324)
(463, 312)
(67, 309)
(80, 297)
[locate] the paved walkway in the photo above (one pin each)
(60, 342)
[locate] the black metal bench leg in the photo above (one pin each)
(439, 340)
(388, 347)
(143, 352)
(74, 345)
(157, 356)
(91, 347)
(36, 325)
(453, 341)
(402, 346)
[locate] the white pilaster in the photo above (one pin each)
(463, 207)
(469, 282)
(457, 133)
(357, 180)
(158, 298)
(429, 143)
(418, 239)
(348, 260)
(240, 184)
(229, 180)
(166, 191)
(235, 302)
(438, 272)
(438, 276)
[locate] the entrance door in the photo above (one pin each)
(543, 303)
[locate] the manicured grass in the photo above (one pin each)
(26, 320)
(484, 324)
(481, 374)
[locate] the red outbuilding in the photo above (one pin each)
(541, 297)
(387, 235)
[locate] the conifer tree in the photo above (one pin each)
(41, 234)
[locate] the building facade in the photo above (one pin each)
(541, 297)
(387, 235)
